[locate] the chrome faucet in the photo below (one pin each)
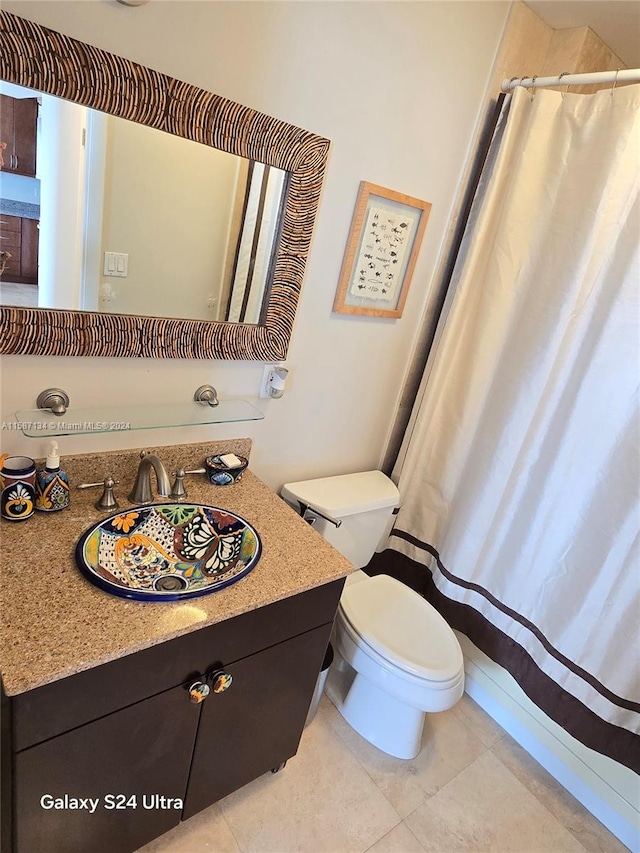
(141, 492)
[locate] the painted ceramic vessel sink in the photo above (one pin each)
(167, 552)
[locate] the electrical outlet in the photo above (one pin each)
(264, 384)
(272, 385)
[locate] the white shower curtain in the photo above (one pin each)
(520, 478)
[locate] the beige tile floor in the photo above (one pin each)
(472, 788)
(25, 295)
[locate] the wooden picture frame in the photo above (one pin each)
(384, 240)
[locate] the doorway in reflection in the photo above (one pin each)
(262, 192)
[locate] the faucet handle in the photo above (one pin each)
(107, 500)
(178, 491)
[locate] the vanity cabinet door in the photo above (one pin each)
(144, 749)
(11, 242)
(255, 725)
(29, 251)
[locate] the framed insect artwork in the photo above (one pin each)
(384, 240)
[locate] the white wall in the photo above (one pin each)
(397, 88)
(167, 205)
(61, 166)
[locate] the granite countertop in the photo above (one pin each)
(55, 623)
(23, 209)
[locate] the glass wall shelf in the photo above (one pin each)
(41, 423)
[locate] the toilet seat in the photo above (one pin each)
(354, 648)
(402, 629)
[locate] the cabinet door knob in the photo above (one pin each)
(221, 681)
(198, 692)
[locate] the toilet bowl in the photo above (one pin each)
(395, 656)
(396, 659)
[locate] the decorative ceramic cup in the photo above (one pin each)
(17, 488)
(220, 475)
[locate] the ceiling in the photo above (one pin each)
(617, 22)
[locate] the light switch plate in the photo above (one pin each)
(116, 264)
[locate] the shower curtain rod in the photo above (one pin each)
(626, 75)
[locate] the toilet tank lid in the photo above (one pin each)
(346, 494)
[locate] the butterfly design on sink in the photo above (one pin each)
(211, 537)
(167, 552)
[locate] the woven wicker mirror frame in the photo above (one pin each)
(41, 59)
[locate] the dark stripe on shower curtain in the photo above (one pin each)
(562, 707)
(517, 617)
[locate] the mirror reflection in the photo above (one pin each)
(101, 214)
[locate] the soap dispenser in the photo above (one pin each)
(52, 484)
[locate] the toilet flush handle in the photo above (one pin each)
(304, 508)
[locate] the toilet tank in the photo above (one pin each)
(363, 503)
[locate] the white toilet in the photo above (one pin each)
(396, 657)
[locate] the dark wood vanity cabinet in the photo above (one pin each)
(126, 736)
(142, 749)
(18, 129)
(248, 731)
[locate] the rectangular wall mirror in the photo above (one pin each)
(165, 221)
